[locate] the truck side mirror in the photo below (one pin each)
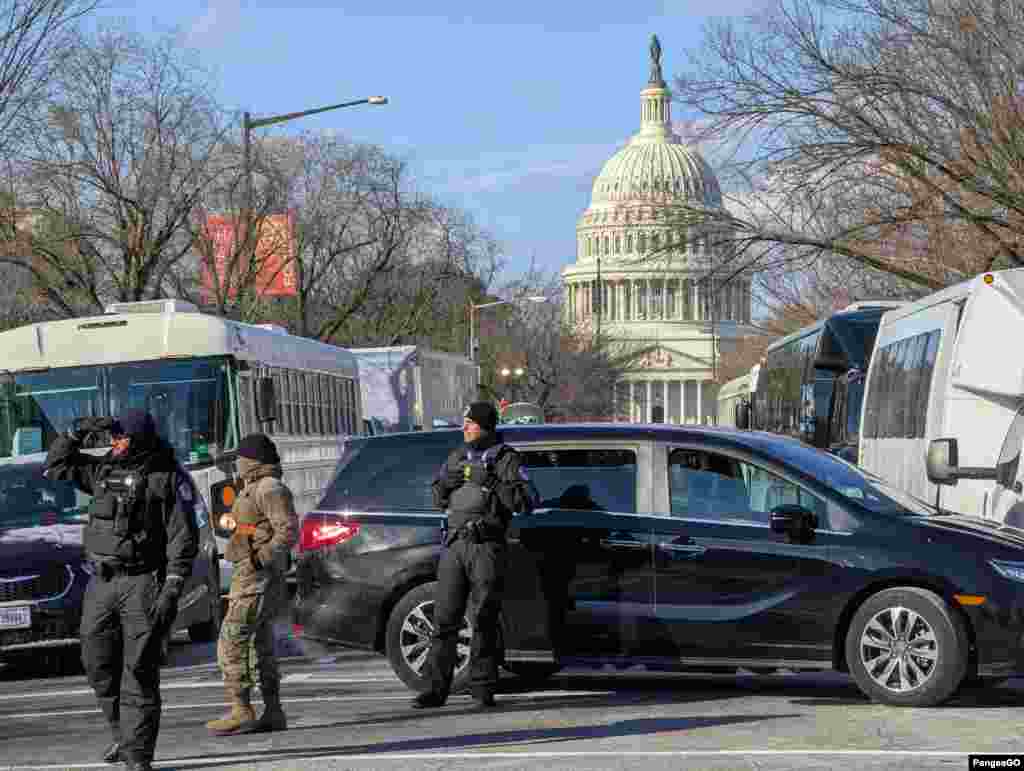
(266, 401)
(942, 461)
(942, 464)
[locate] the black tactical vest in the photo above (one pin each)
(126, 518)
(471, 501)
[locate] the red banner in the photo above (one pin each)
(275, 254)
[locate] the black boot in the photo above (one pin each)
(112, 754)
(428, 700)
(137, 765)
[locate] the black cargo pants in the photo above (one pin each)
(121, 652)
(470, 582)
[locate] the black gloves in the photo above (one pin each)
(165, 609)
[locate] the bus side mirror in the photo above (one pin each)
(266, 401)
(942, 464)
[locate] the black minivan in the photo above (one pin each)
(679, 548)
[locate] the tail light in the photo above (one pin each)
(321, 530)
(296, 630)
(48, 518)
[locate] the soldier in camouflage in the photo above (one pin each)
(266, 528)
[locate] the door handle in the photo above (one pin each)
(689, 549)
(623, 543)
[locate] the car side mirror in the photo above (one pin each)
(266, 400)
(942, 464)
(795, 522)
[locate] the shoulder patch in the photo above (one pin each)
(185, 492)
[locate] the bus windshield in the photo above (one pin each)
(188, 398)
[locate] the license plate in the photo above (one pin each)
(17, 617)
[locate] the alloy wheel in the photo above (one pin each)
(418, 628)
(899, 649)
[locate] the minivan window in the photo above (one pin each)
(389, 473)
(596, 479)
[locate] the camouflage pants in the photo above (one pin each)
(245, 650)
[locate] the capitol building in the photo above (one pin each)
(644, 275)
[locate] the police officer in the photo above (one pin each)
(481, 485)
(266, 528)
(140, 541)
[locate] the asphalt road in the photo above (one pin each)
(347, 711)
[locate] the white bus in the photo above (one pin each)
(947, 367)
(206, 380)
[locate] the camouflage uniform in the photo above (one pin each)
(267, 529)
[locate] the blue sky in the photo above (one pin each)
(507, 110)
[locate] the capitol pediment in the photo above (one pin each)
(663, 357)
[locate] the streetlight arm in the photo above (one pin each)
(270, 121)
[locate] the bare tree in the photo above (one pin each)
(371, 261)
(33, 34)
(426, 298)
(569, 371)
(867, 129)
(114, 175)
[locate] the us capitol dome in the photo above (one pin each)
(642, 274)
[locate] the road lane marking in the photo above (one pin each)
(302, 700)
(212, 683)
(311, 755)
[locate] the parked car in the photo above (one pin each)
(43, 574)
(681, 548)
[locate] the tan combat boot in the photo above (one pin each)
(272, 719)
(241, 713)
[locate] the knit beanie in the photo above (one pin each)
(483, 414)
(260, 448)
(138, 424)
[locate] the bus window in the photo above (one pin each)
(187, 398)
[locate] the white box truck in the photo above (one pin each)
(411, 388)
(943, 415)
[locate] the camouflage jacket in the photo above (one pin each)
(267, 529)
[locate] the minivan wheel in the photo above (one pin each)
(906, 648)
(407, 640)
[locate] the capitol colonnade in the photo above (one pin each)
(669, 296)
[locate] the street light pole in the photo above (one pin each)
(472, 316)
(248, 124)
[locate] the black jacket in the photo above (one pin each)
(509, 482)
(178, 543)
